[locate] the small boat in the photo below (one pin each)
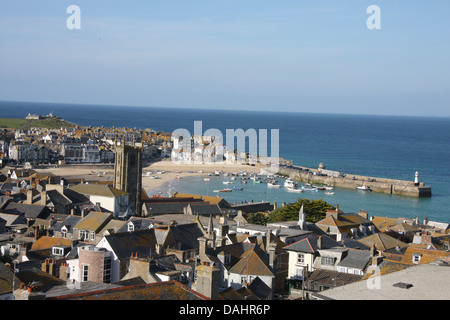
(206, 179)
(329, 193)
(273, 185)
(216, 191)
(238, 188)
(290, 183)
(290, 189)
(227, 182)
(225, 190)
(363, 188)
(256, 181)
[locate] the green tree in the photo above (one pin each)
(257, 218)
(315, 210)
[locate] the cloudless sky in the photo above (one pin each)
(286, 55)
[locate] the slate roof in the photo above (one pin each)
(332, 278)
(355, 259)
(12, 219)
(205, 209)
(143, 223)
(165, 208)
(167, 290)
(69, 222)
(260, 289)
(74, 196)
(309, 244)
(29, 211)
(6, 277)
(186, 235)
(126, 243)
(163, 264)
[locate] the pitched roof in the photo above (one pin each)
(94, 189)
(167, 290)
(356, 259)
(310, 244)
(252, 262)
(382, 241)
(124, 244)
(30, 211)
(212, 200)
(93, 221)
(46, 242)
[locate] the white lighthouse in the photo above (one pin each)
(416, 178)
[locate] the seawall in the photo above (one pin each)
(350, 181)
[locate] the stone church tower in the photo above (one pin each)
(128, 173)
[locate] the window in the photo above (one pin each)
(107, 270)
(301, 258)
(83, 235)
(58, 251)
(92, 235)
(85, 274)
(327, 261)
(416, 258)
(130, 226)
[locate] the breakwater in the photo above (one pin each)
(351, 181)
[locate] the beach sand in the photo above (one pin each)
(171, 169)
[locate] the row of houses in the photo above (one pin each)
(78, 145)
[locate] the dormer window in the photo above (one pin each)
(416, 258)
(327, 261)
(130, 226)
(57, 251)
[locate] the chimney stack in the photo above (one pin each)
(319, 242)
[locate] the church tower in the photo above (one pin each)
(128, 173)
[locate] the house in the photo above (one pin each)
(343, 226)
(114, 200)
(90, 227)
(303, 255)
(63, 228)
(122, 246)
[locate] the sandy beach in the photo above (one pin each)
(165, 171)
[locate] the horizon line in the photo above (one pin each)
(230, 108)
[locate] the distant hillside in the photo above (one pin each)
(34, 123)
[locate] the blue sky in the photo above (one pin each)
(305, 56)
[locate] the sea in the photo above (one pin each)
(371, 145)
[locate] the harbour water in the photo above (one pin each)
(377, 146)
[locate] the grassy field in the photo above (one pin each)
(28, 123)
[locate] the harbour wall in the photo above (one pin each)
(349, 181)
